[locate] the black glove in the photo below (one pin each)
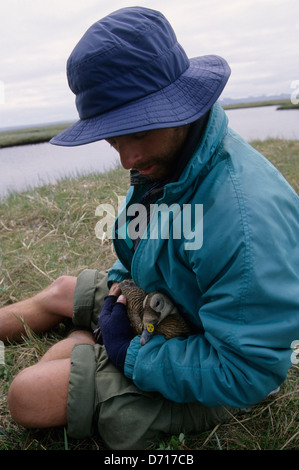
(116, 331)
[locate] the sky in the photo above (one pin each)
(258, 38)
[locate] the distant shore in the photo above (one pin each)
(30, 135)
(281, 105)
(40, 134)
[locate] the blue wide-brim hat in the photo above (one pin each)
(130, 74)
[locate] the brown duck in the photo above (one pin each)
(152, 313)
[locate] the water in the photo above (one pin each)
(265, 122)
(29, 166)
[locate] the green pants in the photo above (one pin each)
(102, 400)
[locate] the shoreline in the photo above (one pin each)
(283, 153)
(281, 105)
(40, 134)
(31, 135)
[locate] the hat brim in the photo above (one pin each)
(180, 103)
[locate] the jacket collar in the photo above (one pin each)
(198, 163)
(201, 161)
(195, 134)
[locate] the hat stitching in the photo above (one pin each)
(141, 72)
(110, 49)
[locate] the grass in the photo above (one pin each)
(49, 231)
(288, 106)
(30, 135)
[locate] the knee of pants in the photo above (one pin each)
(131, 421)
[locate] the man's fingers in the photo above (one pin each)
(122, 300)
(114, 289)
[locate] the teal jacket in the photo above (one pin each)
(238, 285)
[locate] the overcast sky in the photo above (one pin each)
(259, 39)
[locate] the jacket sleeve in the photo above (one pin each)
(118, 273)
(247, 277)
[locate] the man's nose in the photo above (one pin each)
(130, 156)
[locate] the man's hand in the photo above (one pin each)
(114, 289)
(115, 327)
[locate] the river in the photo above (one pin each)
(29, 166)
(264, 123)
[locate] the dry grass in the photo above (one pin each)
(49, 232)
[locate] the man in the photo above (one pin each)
(237, 286)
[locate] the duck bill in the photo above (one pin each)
(147, 334)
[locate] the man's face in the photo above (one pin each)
(153, 153)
